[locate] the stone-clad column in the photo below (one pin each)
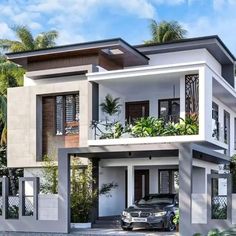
(64, 188)
(5, 193)
(185, 188)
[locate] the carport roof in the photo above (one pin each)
(145, 150)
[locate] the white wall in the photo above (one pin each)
(146, 93)
(198, 180)
(62, 79)
(115, 204)
(188, 56)
(223, 107)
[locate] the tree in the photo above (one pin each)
(11, 75)
(232, 167)
(165, 32)
(110, 106)
(26, 41)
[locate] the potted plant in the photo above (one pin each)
(111, 106)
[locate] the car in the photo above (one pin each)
(152, 211)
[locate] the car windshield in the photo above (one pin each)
(156, 200)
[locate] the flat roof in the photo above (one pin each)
(125, 50)
(212, 43)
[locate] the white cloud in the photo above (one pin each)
(218, 4)
(169, 2)
(5, 31)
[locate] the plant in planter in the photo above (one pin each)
(111, 106)
(176, 220)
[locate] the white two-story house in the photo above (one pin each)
(58, 108)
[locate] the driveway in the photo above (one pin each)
(97, 232)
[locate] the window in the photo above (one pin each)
(168, 181)
(67, 114)
(215, 121)
(226, 127)
(169, 109)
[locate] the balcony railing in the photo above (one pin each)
(144, 127)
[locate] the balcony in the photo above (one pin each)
(146, 108)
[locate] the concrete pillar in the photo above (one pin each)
(95, 175)
(5, 193)
(130, 185)
(182, 97)
(185, 188)
(64, 189)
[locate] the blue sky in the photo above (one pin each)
(86, 20)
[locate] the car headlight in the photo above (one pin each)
(161, 213)
(126, 214)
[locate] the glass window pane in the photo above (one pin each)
(72, 114)
(59, 115)
(215, 121)
(164, 110)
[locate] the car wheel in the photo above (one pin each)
(127, 228)
(171, 225)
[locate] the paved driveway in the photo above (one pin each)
(97, 232)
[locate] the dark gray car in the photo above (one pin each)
(152, 211)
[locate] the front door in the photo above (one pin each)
(141, 184)
(135, 110)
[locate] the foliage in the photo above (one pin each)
(50, 173)
(219, 211)
(13, 212)
(232, 167)
(148, 127)
(176, 218)
(216, 232)
(165, 31)
(152, 127)
(83, 195)
(12, 173)
(110, 106)
(112, 130)
(26, 41)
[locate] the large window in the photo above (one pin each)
(215, 121)
(67, 114)
(169, 109)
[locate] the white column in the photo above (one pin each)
(182, 97)
(205, 103)
(130, 185)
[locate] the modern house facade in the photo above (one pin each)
(57, 112)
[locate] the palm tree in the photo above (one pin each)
(26, 41)
(110, 106)
(165, 32)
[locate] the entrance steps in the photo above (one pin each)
(107, 222)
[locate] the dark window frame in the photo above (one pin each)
(170, 177)
(169, 100)
(64, 112)
(216, 120)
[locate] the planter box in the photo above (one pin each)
(81, 225)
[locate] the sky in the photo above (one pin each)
(88, 20)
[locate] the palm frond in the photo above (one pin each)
(25, 36)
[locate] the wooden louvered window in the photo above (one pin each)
(67, 114)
